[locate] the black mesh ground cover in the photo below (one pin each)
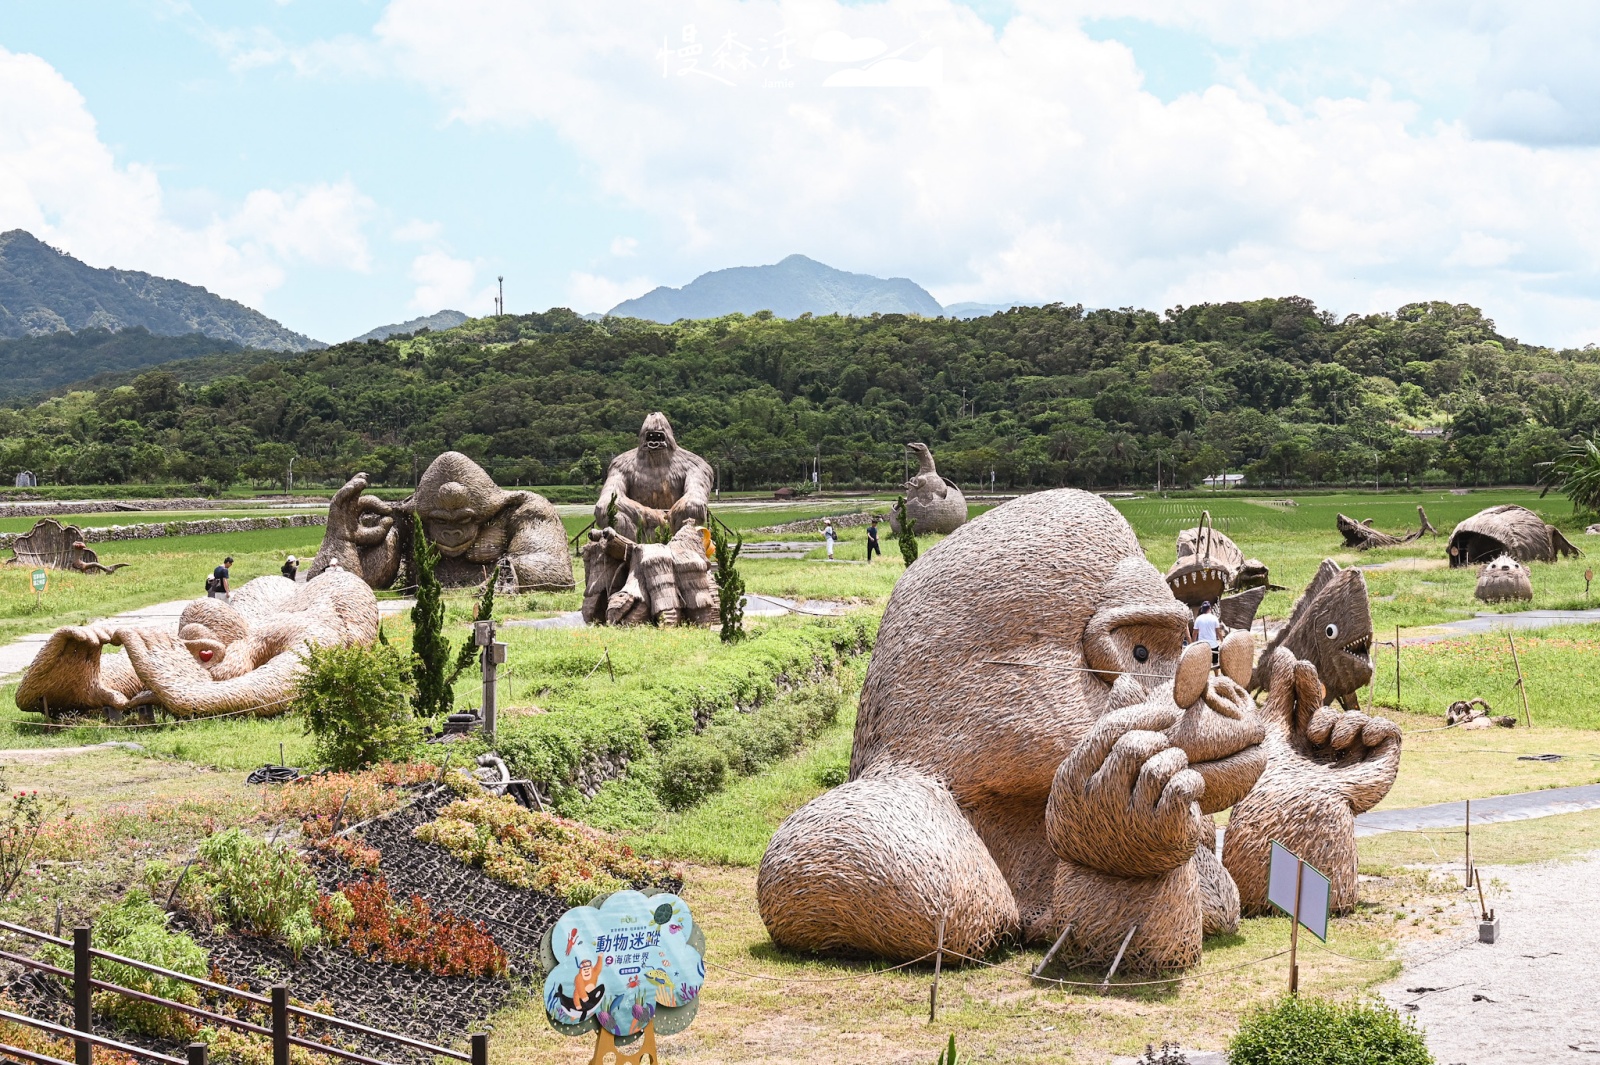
(439, 1009)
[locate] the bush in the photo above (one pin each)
(376, 925)
(744, 742)
(136, 927)
(354, 702)
(691, 769)
(259, 887)
(534, 850)
(632, 720)
(1312, 1031)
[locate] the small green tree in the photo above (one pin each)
(730, 585)
(430, 651)
(908, 536)
(354, 703)
(1300, 1030)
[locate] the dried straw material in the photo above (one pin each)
(933, 504)
(1507, 530)
(243, 654)
(1082, 755)
(1330, 627)
(1323, 768)
(55, 546)
(1505, 579)
(1363, 537)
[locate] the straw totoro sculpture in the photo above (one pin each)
(1323, 768)
(1035, 748)
(1504, 580)
(238, 655)
(933, 504)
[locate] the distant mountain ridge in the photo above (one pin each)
(45, 291)
(437, 321)
(795, 286)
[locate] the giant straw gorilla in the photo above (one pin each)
(657, 483)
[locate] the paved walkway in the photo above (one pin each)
(17, 656)
(1482, 623)
(1498, 808)
(755, 606)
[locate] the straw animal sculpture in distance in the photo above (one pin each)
(55, 546)
(1034, 747)
(242, 654)
(1505, 579)
(1330, 627)
(1324, 767)
(1363, 537)
(1507, 530)
(933, 504)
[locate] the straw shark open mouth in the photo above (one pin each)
(1360, 647)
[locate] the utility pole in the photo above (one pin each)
(288, 486)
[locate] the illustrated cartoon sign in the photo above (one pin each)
(622, 964)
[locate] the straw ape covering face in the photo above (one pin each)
(232, 656)
(1034, 747)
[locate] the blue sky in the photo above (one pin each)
(344, 164)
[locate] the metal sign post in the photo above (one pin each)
(40, 578)
(492, 656)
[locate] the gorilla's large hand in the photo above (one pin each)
(361, 535)
(1124, 801)
(70, 673)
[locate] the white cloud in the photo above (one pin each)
(836, 46)
(445, 281)
(588, 293)
(60, 182)
(624, 247)
(416, 231)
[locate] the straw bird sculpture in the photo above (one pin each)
(1035, 749)
(933, 504)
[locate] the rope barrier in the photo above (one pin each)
(822, 980)
(157, 724)
(1129, 983)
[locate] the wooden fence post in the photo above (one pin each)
(197, 1054)
(82, 994)
(480, 1048)
(280, 1024)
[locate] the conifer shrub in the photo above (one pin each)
(354, 701)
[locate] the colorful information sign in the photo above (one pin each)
(624, 963)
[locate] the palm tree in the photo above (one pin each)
(1576, 473)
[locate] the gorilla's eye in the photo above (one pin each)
(1331, 631)
(1141, 652)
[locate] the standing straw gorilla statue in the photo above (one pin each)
(1035, 751)
(657, 483)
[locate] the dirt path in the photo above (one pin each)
(1527, 999)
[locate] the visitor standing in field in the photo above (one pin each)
(872, 540)
(828, 535)
(1209, 629)
(291, 567)
(217, 586)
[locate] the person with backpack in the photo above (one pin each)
(1209, 629)
(291, 566)
(217, 586)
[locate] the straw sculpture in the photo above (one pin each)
(227, 656)
(1363, 537)
(1331, 627)
(1028, 753)
(1507, 530)
(1210, 568)
(1323, 768)
(475, 524)
(933, 504)
(1504, 580)
(627, 583)
(55, 546)
(657, 483)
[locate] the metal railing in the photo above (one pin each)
(280, 1030)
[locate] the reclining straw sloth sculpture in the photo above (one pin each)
(1035, 749)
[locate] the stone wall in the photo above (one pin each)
(45, 508)
(202, 527)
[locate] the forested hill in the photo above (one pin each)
(1041, 396)
(43, 291)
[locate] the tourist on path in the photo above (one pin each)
(291, 566)
(218, 587)
(828, 535)
(872, 540)
(1209, 629)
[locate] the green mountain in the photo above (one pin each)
(44, 291)
(1277, 389)
(30, 365)
(446, 319)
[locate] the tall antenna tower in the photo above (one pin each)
(500, 300)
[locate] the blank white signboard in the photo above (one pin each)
(1314, 890)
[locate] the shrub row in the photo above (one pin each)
(570, 752)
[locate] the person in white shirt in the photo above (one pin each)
(828, 534)
(1209, 629)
